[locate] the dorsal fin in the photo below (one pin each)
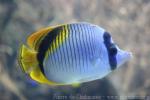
(34, 39)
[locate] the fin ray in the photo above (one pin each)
(27, 59)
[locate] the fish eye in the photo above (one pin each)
(113, 49)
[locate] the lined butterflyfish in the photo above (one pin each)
(70, 53)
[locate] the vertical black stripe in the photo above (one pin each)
(45, 44)
(90, 40)
(84, 43)
(87, 37)
(64, 48)
(77, 33)
(55, 55)
(60, 50)
(81, 48)
(112, 52)
(87, 42)
(73, 42)
(69, 44)
(63, 51)
(93, 41)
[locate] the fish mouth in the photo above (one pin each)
(123, 56)
(128, 55)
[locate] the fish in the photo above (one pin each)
(71, 53)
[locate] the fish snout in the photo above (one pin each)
(123, 56)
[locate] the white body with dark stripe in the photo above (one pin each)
(82, 57)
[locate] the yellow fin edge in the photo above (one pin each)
(29, 64)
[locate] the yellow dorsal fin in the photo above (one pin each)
(35, 38)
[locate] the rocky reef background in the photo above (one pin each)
(127, 20)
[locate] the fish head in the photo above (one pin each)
(116, 56)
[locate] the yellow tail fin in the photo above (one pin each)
(27, 59)
(29, 64)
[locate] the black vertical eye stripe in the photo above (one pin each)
(110, 46)
(45, 44)
(111, 49)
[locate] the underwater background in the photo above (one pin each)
(128, 21)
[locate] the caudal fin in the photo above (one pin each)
(27, 59)
(29, 64)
